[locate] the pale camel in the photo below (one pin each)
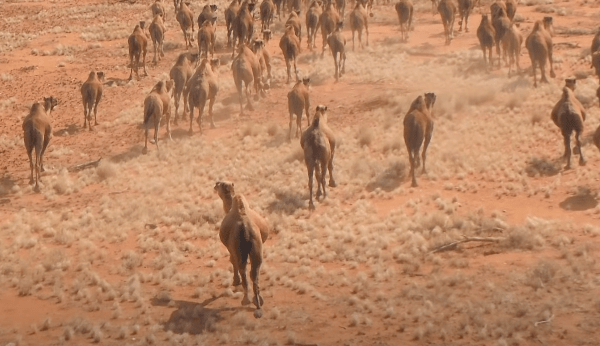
(203, 86)
(231, 13)
(158, 8)
(313, 16)
(329, 20)
(317, 155)
(568, 114)
(295, 22)
(138, 44)
(246, 70)
(156, 105)
(157, 34)
(243, 25)
(359, 20)
(539, 45)
(209, 12)
(37, 132)
(180, 73)
(511, 44)
(264, 58)
(418, 127)
(404, 9)
(290, 47)
(91, 94)
(337, 44)
(186, 21)
(243, 240)
(501, 24)
(226, 191)
(447, 10)
(299, 102)
(207, 38)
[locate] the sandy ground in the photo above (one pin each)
(128, 252)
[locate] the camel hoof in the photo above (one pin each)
(31, 181)
(332, 183)
(567, 167)
(582, 162)
(311, 206)
(36, 188)
(145, 151)
(258, 313)
(245, 301)
(414, 184)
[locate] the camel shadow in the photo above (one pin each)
(580, 202)
(287, 202)
(542, 167)
(68, 131)
(6, 185)
(116, 81)
(132, 153)
(390, 179)
(192, 318)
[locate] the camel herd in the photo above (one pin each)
(194, 80)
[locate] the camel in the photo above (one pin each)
(418, 127)
(226, 191)
(91, 94)
(434, 6)
(595, 49)
(209, 12)
(180, 73)
(298, 102)
(207, 38)
(177, 3)
(568, 114)
(138, 43)
(37, 132)
(186, 20)
(511, 44)
(329, 20)
(158, 9)
(501, 25)
(264, 59)
(157, 34)
(511, 9)
(156, 105)
(317, 154)
(464, 10)
(279, 4)
(337, 44)
(267, 12)
(267, 35)
(496, 6)
(404, 9)
(246, 70)
(539, 45)
(203, 86)
(486, 34)
(313, 16)
(243, 25)
(290, 46)
(231, 13)
(295, 22)
(447, 10)
(243, 240)
(341, 7)
(359, 20)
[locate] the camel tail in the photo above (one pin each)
(246, 238)
(149, 110)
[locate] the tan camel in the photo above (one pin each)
(267, 11)
(138, 43)
(246, 70)
(207, 38)
(209, 12)
(226, 191)
(313, 16)
(337, 44)
(317, 155)
(37, 132)
(91, 94)
(486, 34)
(157, 34)
(231, 13)
(568, 114)
(511, 45)
(156, 105)
(329, 21)
(539, 45)
(158, 8)
(186, 21)
(264, 58)
(299, 102)
(404, 9)
(243, 240)
(203, 86)
(464, 10)
(418, 127)
(294, 21)
(447, 10)
(501, 24)
(243, 25)
(359, 20)
(180, 73)
(290, 47)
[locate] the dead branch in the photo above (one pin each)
(466, 239)
(84, 165)
(118, 192)
(544, 321)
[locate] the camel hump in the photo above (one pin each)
(241, 204)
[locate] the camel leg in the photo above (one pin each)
(310, 167)
(85, 110)
(543, 79)
(256, 262)
(145, 150)
(337, 67)
(156, 127)
(154, 61)
(191, 131)
(236, 274)
(144, 62)
(44, 146)
(425, 145)
(96, 112)
(533, 67)
(577, 140)
(38, 150)
(296, 70)
(289, 68)
(29, 148)
(248, 98)
(177, 96)
(168, 116)
(242, 269)
(552, 74)
(411, 159)
(290, 131)
(322, 179)
(367, 32)
(567, 155)
(130, 74)
(353, 40)
(460, 23)
(201, 113)
(343, 62)
(467, 22)
(211, 103)
(299, 124)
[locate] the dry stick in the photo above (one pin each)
(466, 239)
(544, 321)
(84, 165)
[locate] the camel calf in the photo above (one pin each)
(243, 240)
(138, 43)
(317, 154)
(298, 102)
(290, 46)
(156, 105)
(418, 127)
(568, 114)
(157, 34)
(539, 45)
(91, 94)
(37, 131)
(404, 9)
(359, 20)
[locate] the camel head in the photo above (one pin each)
(215, 63)
(549, 25)
(251, 6)
(257, 44)
(213, 8)
(339, 26)
(100, 75)
(267, 34)
(430, 100)
(321, 113)
(484, 18)
(50, 103)
(142, 24)
(297, 13)
(306, 81)
(571, 83)
(225, 191)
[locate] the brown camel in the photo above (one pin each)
(359, 20)
(186, 21)
(246, 70)
(138, 43)
(203, 86)
(299, 102)
(157, 34)
(156, 105)
(539, 45)
(290, 47)
(337, 44)
(180, 73)
(313, 16)
(568, 114)
(243, 25)
(231, 13)
(418, 127)
(447, 10)
(329, 20)
(404, 9)
(91, 94)
(486, 34)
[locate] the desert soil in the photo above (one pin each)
(128, 252)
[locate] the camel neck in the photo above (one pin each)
(227, 203)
